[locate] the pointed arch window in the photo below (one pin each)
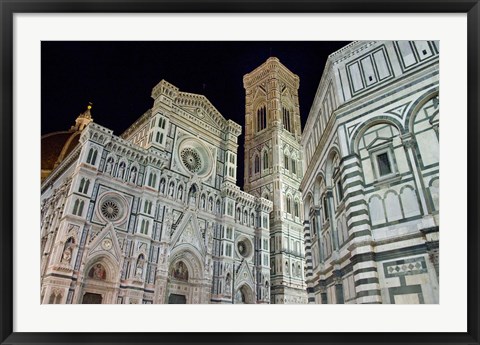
(92, 156)
(296, 209)
(84, 185)
(294, 166)
(285, 161)
(78, 207)
(256, 164)
(152, 180)
(286, 120)
(265, 159)
(289, 205)
(325, 209)
(261, 118)
(144, 227)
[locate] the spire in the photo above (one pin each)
(83, 119)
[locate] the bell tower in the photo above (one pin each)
(273, 170)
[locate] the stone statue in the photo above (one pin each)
(67, 255)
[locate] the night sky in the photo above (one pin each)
(117, 77)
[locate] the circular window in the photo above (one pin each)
(191, 159)
(244, 248)
(110, 209)
(195, 157)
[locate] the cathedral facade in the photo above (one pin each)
(346, 211)
(153, 215)
(371, 185)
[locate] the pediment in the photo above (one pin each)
(106, 241)
(201, 108)
(189, 233)
(244, 274)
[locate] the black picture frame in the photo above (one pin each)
(7, 10)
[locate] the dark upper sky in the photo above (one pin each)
(117, 77)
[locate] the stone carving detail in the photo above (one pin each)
(191, 159)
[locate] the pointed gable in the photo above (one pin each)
(189, 233)
(106, 241)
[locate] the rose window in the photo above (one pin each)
(110, 210)
(191, 159)
(242, 249)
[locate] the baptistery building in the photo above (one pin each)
(370, 189)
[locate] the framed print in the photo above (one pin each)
(273, 166)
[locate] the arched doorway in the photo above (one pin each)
(244, 295)
(185, 280)
(99, 283)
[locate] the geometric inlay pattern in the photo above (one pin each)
(405, 267)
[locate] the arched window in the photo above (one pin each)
(217, 207)
(87, 185)
(78, 207)
(296, 209)
(158, 137)
(314, 226)
(245, 217)
(286, 120)
(285, 161)
(150, 179)
(257, 164)
(252, 219)
(75, 206)
(82, 183)
(265, 160)
(261, 118)
(144, 227)
(239, 214)
(147, 207)
(289, 205)
(325, 208)
(92, 156)
(294, 166)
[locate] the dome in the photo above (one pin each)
(56, 146)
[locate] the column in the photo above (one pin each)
(365, 272)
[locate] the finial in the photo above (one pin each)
(89, 106)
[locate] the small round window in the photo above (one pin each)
(191, 159)
(110, 209)
(244, 248)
